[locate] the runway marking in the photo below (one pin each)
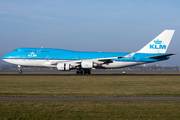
(91, 99)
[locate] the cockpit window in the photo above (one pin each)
(15, 50)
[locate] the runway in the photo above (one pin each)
(91, 99)
(90, 75)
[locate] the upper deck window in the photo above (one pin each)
(30, 51)
(45, 51)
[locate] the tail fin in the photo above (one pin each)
(158, 44)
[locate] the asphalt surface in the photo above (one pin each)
(91, 99)
(90, 75)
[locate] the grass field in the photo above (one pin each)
(89, 110)
(89, 86)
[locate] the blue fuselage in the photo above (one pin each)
(60, 54)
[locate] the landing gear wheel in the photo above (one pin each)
(87, 71)
(79, 72)
(20, 71)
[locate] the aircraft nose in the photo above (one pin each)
(5, 56)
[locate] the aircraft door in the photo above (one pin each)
(47, 57)
(38, 51)
(137, 60)
(24, 57)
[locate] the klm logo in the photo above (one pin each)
(32, 55)
(86, 65)
(157, 45)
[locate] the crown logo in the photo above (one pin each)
(157, 41)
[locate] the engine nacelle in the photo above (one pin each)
(87, 64)
(63, 66)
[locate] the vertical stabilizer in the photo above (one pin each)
(158, 44)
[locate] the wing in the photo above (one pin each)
(97, 60)
(108, 59)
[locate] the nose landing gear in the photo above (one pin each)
(20, 71)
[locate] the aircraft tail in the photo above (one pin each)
(158, 44)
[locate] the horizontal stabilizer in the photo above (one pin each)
(160, 56)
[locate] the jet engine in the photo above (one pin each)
(63, 66)
(87, 64)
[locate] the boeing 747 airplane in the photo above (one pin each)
(84, 62)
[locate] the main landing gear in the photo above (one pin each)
(83, 71)
(20, 71)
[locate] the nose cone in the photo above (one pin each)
(7, 56)
(4, 57)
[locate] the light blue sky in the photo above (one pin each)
(88, 25)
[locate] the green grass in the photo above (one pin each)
(46, 110)
(89, 86)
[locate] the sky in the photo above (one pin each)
(88, 25)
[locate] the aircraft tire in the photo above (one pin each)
(20, 71)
